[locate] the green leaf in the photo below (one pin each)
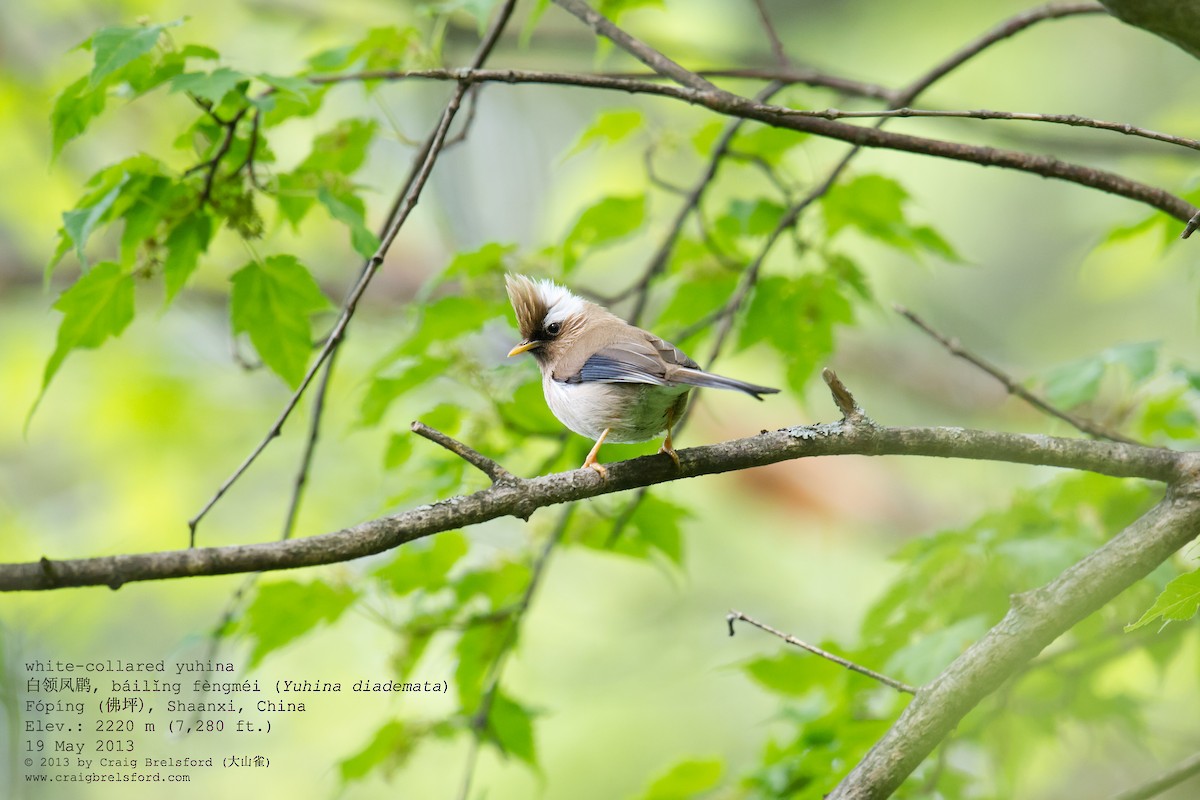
(211, 86)
(272, 301)
(97, 306)
(609, 128)
(399, 449)
(751, 218)
(295, 97)
(769, 143)
(798, 317)
(488, 260)
(502, 584)
(511, 727)
(388, 749)
(613, 9)
(78, 223)
(350, 211)
(1178, 602)
(185, 243)
(874, 205)
(687, 779)
(284, 611)
(388, 47)
(604, 223)
(1074, 384)
(786, 673)
(656, 526)
(424, 568)
(477, 648)
(117, 46)
(1078, 382)
(74, 109)
(924, 659)
(383, 391)
(341, 150)
(527, 411)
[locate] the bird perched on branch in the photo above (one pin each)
(602, 377)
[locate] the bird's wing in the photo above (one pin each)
(645, 359)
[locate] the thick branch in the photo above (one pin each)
(1035, 619)
(522, 498)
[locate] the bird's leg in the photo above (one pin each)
(667, 447)
(590, 462)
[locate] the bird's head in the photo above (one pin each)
(549, 316)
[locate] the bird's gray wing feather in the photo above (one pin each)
(644, 359)
(624, 362)
(657, 362)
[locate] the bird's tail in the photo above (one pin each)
(695, 377)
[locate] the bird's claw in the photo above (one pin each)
(670, 451)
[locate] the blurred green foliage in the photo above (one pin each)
(164, 214)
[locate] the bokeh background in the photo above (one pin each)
(629, 664)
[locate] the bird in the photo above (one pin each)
(602, 377)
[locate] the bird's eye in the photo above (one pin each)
(553, 328)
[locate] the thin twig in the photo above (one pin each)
(787, 76)
(418, 178)
(1014, 388)
(480, 719)
(252, 150)
(768, 27)
(212, 164)
(1004, 30)
(1073, 120)
(487, 466)
(1191, 226)
(1174, 777)
(734, 616)
(310, 447)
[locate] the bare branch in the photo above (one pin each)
(1014, 388)
(768, 27)
(1177, 775)
(1009, 27)
(310, 448)
(1073, 120)
(733, 616)
(523, 498)
(487, 466)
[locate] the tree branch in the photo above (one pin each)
(734, 616)
(1035, 619)
(1073, 120)
(1173, 777)
(1017, 390)
(487, 466)
(521, 499)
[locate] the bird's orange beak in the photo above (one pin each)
(523, 347)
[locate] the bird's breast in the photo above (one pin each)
(631, 412)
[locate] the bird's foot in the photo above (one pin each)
(670, 451)
(601, 470)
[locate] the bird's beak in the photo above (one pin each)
(523, 347)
